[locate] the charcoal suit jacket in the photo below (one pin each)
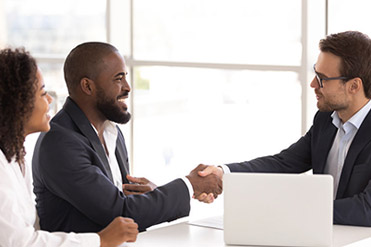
(74, 186)
(352, 205)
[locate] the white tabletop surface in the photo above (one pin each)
(183, 234)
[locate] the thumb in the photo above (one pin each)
(131, 178)
(208, 170)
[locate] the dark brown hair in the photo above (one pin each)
(17, 93)
(354, 49)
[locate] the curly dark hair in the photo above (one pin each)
(17, 94)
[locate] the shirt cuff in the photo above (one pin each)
(89, 239)
(189, 186)
(225, 169)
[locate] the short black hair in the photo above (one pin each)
(85, 61)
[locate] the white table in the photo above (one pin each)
(184, 235)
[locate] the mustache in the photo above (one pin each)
(125, 94)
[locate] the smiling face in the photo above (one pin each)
(112, 89)
(39, 118)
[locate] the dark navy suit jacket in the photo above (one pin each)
(73, 181)
(352, 205)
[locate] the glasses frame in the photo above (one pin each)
(320, 80)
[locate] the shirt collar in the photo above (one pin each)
(110, 134)
(108, 127)
(356, 120)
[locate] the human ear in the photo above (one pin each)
(87, 85)
(355, 85)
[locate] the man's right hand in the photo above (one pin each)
(118, 231)
(210, 184)
(218, 171)
(212, 170)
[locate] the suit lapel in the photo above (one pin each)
(122, 156)
(87, 130)
(362, 137)
(325, 140)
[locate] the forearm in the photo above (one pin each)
(17, 234)
(354, 210)
(283, 163)
(166, 203)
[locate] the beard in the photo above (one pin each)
(110, 109)
(329, 106)
(329, 103)
(324, 107)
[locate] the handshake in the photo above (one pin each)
(206, 182)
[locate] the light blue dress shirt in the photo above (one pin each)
(343, 139)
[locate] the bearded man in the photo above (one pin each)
(80, 167)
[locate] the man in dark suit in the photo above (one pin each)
(339, 141)
(81, 164)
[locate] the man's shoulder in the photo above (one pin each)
(62, 118)
(62, 128)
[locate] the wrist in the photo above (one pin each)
(102, 241)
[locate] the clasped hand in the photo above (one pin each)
(206, 182)
(138, 186)
(207, 185)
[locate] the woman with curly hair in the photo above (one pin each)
(24, 106)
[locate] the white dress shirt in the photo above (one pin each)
(343, 139)
(18, 217)
(110, 134)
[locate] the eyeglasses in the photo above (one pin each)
(320, 80)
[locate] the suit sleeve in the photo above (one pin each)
(295, 159)
(353, 207)
(70, 169)
(354, 210)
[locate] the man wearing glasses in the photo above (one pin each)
(339, 141)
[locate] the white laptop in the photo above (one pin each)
(278, 209)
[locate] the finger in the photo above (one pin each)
(134, 179)
(130, 178)
(201, 197)
(128, 192)
(129, 220)
(200, 167)
(206, 171)
(132, 226)
(220, 188)
(132, 237)
(210, 198)
(137, 187)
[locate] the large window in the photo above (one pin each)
(236, 31)
(213, 81)
(50, 29)
(184, 116)
(344, 15)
